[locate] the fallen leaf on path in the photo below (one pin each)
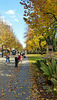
(14, 92)
(23, 92)
(16, 83)
(9, 90)
(21, 87)
(1, 90)
(3, 94)
(28, 98)
(29, 92)
(43, 99)
(17, 96)
(10, 75)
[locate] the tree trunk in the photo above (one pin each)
(41, 47)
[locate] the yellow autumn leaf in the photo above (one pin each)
(23, 92)
(16, 83)
(29, 92)
(1, 99)
(3, 94)
(21, 87)
(55, 89)
(16, 96)
(14, 92)
(43, 99)
(10, 75)
(28, 98)
(47, 99)
(1, 90)
(9, 90)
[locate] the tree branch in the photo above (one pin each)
(51, 14)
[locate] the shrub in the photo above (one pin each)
(38, 63)
(49, 68)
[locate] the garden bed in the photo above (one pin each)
(45, 90)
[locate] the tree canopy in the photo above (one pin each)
(41, 17)
(7, 37)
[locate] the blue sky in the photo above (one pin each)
(12, 11)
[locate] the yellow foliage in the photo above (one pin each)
(7, 37)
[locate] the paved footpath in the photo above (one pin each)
(15, 83)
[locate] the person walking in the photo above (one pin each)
(7, 58)
(19, 57)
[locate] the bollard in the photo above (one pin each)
(16, 62)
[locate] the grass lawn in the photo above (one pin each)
(33, 57)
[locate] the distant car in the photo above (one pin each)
(13, 52)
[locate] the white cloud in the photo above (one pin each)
(10, 12)
(16, 19)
